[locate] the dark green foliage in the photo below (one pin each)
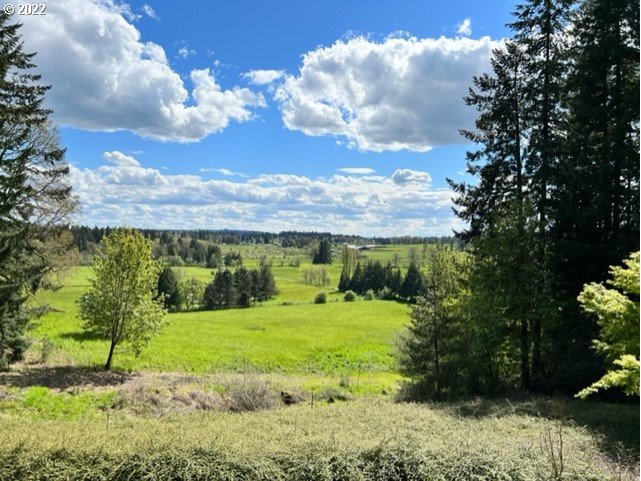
(349, 296)
(596, 203)
(214, 257)
(233, 259)
(169, 287)
(244, 287)
(34, 195)
(320, 298)
(265, 282)
(369, 295)
(433, 352)
(371, 276)
(324, 253)
(412, 283)
(220, 292)
(557, 191)
(344, 281)
(240, 288)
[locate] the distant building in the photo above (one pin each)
(365, 247)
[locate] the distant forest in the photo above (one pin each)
(87, 238)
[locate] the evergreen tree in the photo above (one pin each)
(220, 292)
(266, 282)
(498, 163)
(243, 287)
(412, 283)
(596, 201)
(324, 253)
(34, 193)
(344, 281)
(169, 287)
(431, 350)
(540, 29)
(356, 282)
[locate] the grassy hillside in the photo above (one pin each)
(337, 339)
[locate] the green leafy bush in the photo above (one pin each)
(349, 296)
(321, 298)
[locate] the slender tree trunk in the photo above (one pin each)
(544, 175)
(437, 367)
(111, 355)
(525, 356)
(524, 337)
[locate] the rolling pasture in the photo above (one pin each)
(173, 412)
(316, 345)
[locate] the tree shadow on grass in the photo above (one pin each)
(617, 425)
(63, 377)
(81, 336)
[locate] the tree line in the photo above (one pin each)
(555, 202)
(228, 288)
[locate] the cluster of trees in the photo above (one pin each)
(384, 280)
(315, 276)
(178, 293)
(227, 289)
(87, 237)
(555, 203)
(239, 288)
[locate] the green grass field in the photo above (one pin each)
(310, 341)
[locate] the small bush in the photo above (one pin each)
(321, 298)
(332, 395)
(386, 294)
(349, 296)
(47, 347)
(173, 261)
(249, 394)
(369, 295)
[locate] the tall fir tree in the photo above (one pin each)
(504, 186)
(596, 202)
(540, 28)
(34, 192)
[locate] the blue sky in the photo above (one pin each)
(339, 116)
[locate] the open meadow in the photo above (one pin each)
(286, 389)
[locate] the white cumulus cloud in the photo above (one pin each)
(408, 176)
(118, 158)
(124, 191)
(465, 27)
(104, 77)
(263, 77)
(402, 93)
(222, 171)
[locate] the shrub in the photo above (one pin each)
(321, 298)
(47, 347)
(349, 296)
(369, 295)
(173, 261)
(386, 294)
(249, 394)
